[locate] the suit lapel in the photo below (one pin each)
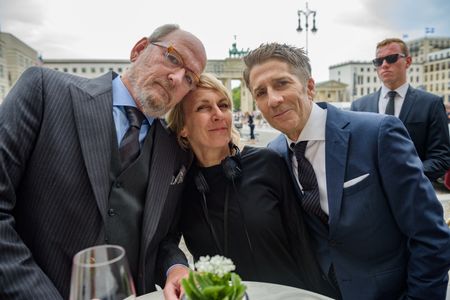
(373, 105)
(92, 105)
(408, 103)
(336, 148)
(280, 146)
(164, 156)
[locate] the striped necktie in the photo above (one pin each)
(308, 181)
(129, 146)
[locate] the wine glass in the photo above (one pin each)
(101, 273)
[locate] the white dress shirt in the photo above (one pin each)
(398, 101)
(314, 133)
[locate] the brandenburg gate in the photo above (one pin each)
(230, 69)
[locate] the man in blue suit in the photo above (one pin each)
(422, 113)
(378, 231)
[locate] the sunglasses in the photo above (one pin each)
(174, 58)
(390, 59)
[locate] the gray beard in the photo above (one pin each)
(150, 106)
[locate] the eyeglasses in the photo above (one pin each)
(390, 59)
(176, 60)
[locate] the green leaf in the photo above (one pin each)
(240, 292)
(202, 280)
(213, 292)
(208, 286)
(238, 287)
(190, 288)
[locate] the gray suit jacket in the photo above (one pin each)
(55, 157)
(424, 116)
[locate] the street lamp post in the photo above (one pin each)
(307, 13)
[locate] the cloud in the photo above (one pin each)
(22, 13)
(407, 17)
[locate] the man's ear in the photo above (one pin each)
(408, 61)
(311, 88)
(140, 46)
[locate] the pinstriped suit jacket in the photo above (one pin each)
(55, 155)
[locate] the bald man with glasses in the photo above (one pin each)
(422, 113)
(85, 162)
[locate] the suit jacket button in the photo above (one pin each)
(111, 212)
(118, 184)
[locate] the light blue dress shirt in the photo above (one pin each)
(121, 98)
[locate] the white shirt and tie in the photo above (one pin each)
(314, 133)
(399, 98)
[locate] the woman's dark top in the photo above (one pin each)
(261, 202)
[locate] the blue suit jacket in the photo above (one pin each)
(424, 116)
(387, 236)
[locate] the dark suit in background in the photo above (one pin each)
(424, 116)
(422, 113)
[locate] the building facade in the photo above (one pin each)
(89, 68)
(437, 73)
(15, 57)
(359, 76)
(420, 48)
(331, 91)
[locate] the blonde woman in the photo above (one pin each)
(239, 204)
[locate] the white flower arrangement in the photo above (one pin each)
(213, 279)
(217, 264)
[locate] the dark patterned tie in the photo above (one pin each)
(390, 107)
(308, 180)
(129, 146)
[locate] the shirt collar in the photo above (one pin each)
(401, 90)
(122, 97)
(314, 129)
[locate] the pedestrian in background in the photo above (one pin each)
(251, 125)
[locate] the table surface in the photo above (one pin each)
(260, 291)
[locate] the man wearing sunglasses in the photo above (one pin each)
(85, 162)
(422, 113)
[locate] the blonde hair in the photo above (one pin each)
(175, 117)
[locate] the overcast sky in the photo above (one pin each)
(347, 29)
